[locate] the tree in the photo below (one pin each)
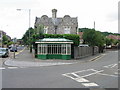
(31, 35)
(108, 41)
(39, 29)
(93, 38)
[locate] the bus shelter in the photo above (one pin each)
(54, 48)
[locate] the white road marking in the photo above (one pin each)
(90, 84)
(80, 71)
(114, 65)
(110, 66)
(2, 68)
(75, 75)
(108, 75)
(116, 73)
(80, 79)
(12, 67)
(92, 73)
(68, 76)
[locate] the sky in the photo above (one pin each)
(15, 23)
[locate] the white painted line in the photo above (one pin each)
(92, 73)
(108, 75)
(80, 79)
(80, 71)
(90, 84)
(83, 71)
(116, 73)
(114, 65)
(68, 76)
(12, 67)
(110, 66)
(2, 68)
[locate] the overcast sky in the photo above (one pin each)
(15, 23)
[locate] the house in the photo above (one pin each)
(57, 25)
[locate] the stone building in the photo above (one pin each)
(56, 25)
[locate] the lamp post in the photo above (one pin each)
(29, 10)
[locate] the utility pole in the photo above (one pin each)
(94, 24)
(14, 47)
(29, 10)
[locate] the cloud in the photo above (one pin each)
(112, 16)
(18, 3)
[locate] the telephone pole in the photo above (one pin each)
(94, 24)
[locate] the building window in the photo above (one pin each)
(57, 49)
(45, 29)
(42, 48)
(66, 30)
(54, 49)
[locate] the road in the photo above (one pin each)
(100, 73)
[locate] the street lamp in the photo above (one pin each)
(29, 10)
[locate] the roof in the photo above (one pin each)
(54, 40)
(116, 37)
(57, 21)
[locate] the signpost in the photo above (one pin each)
(15, 41)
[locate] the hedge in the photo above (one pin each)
(75, 38)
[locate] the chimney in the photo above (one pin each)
(54, 13)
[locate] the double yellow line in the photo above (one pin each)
(98, 57)
(20, 51)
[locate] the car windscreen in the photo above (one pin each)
(3, 50)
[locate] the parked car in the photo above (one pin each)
(4, 52)
(13, 49)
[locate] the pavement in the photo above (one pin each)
(24, 58)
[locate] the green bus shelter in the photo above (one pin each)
(54, 48)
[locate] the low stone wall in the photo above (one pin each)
(80, 52)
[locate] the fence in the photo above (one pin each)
(80, 52)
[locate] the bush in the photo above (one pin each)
(75, 38)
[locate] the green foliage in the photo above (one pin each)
(73, 37)
(5, 40)
(53, 35)
(104, 33)
(93, 38)
(9, 43)
(27, 37)
(83, 29)
(39, 29)
(108, 41)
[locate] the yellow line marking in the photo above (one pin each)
(98, 57)
(20, 51)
